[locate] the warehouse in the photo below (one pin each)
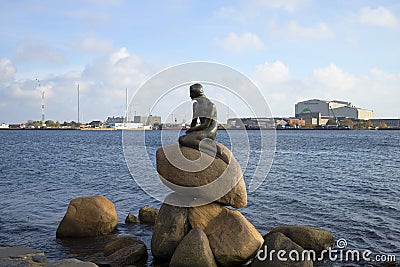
(338, 109)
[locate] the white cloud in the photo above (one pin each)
(240, 43)
(275, 72)
(383, 76)
(102, 88)
(377, 90)
(7, 70)
(36, 51)
(119, 70)
(379, 16)
(334, 77)
(294, 30)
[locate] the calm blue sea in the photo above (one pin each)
(345, 181)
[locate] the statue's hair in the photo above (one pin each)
(198, 88)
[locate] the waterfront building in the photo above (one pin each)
(330, 109)
(148, 120)
(250, 123)
(113, 119)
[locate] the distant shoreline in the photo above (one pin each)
(278, 129)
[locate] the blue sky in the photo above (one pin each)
(293, 50)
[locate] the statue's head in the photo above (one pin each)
(196, 90)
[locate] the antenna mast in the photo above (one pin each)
(78, 102)
(126, 105)
(42, 93)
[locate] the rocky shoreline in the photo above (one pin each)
(130, 251)
(192, 250)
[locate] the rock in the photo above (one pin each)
(21, 256)
(125, 251)
(131, 219)
(202, 215)
(170, 228)
(19, 252)
(233, 239)
(194, 250)
(88, 216)
(39, 259)
(268, 254)
(120, 243)
(309, 238)
(71, 263)
(201, 175)
(148, 215)
(24, 257)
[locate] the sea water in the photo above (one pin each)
(347, 182)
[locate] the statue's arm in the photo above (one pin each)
(194, 122)
(195, 117)
(200, 127)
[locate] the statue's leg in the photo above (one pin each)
(196, 139)
(224, 154)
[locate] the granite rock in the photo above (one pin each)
(194, 251)
(188, 171)
(88, 216)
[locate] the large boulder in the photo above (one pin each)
(148, 215)
(170, 228)
(201, 216)
(308, 237)
(268, 255)
(88, 216)
(125, 251)
(190, 172)
(194, 250)
(233, 239)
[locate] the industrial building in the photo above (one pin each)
(320, 109)
(147, 120)
(250, 123)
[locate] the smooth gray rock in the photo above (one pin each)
(21, 257)
(71, 263)
(269, 255)
(129, 255)
(308, 237)
(233, 239)
(170, 228)
(121, 242)
(194, 251)
(226, 183)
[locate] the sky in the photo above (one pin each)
(293, 50)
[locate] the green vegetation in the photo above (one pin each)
(362, 125)
(52, 124)
(347, 123)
